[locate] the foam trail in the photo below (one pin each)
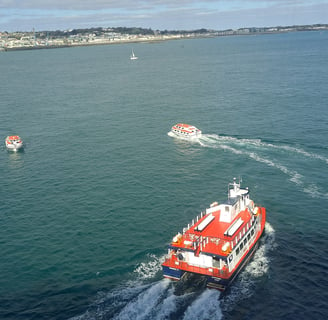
(108, 304)
(258, 267)
(260, 264)
(260, 151)
(159, 300)
(294, 176)
(148, 270)
(297, 150)
(214, 138)
(207, 306)
(144, 305)
(167, 306)
(259, 143)
(314, 192)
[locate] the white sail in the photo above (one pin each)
(133, 56)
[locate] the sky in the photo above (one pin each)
(47, 15)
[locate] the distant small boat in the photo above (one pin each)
(14, 143)
(185, 131)
(133, 56)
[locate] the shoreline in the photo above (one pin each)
(137, 40)
(100, 43)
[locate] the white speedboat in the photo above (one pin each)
(14, 143)
(185, 131)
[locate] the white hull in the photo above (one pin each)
(184, 136)
(14, 146)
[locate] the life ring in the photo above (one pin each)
(177, 239)
(225, 247)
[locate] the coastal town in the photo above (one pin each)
(102, 36)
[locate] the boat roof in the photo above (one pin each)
(213, 227)
(184, 125)
(13, 138)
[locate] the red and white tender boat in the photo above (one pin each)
(186, 131)
(219, 242)
(14, 143)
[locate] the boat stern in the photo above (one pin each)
(172, 273)
(217, 283)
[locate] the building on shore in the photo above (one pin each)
(101, 36)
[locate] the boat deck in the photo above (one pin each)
(209, 233)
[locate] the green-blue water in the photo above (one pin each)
(87, 210)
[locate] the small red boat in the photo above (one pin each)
(14, 143)
(219, 242)
(185, 131)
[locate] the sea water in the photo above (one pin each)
(88, 208)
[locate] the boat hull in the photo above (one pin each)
(183, 136)
(14, 147)
(222, 284)
(172, 273)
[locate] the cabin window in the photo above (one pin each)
(252, 232)
(241, 246)
(226, 208)
(237, 251)
(245, 242)
(216, 262)
(248, 236)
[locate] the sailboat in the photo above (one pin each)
(133, 56)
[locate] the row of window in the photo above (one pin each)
(183, 132)
(245, 229)
(247, 237)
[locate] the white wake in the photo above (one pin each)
(267, 154)
(161, 300)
